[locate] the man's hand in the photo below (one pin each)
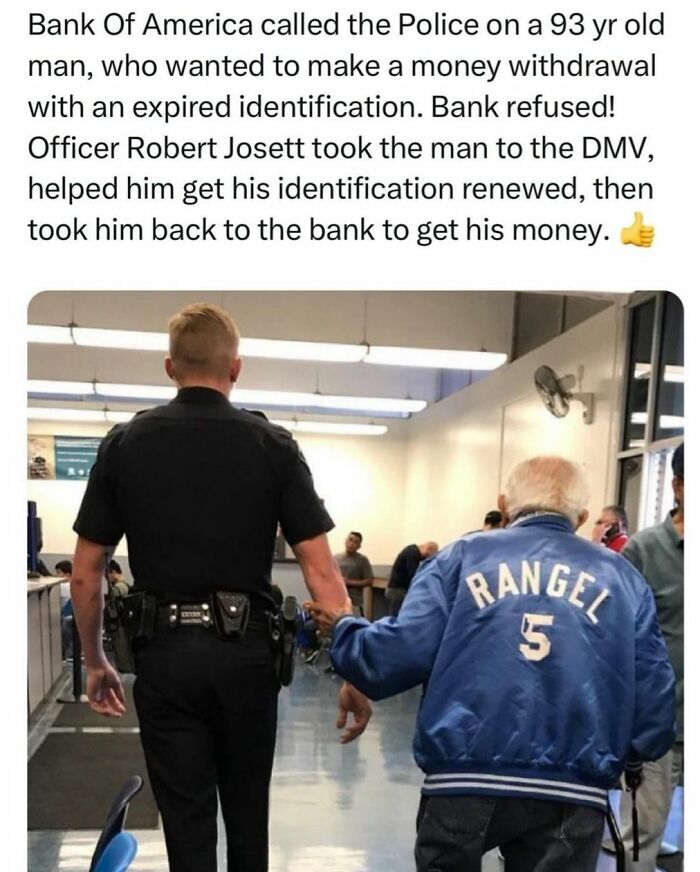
(634, 775)
(325, 617)
(350, 700)
(104, 691)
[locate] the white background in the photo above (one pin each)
(665, 109)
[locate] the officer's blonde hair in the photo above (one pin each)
(203, 341)
(547, 483)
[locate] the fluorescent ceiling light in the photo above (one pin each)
(436, 358)
(672, 373)
(242, 396)
(43, 386)
(280, 349)
(49, 334)
(666, 422)
(44, 413)
(332, 352)
(333, 428)
(293, 399)
(130, 340)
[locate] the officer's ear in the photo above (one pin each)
(235, 369)
(582, 518)
(502, 509)
(170, 368)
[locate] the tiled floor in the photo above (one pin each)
(334, 808)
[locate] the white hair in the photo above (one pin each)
(547, 483)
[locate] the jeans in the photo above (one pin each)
(534, 835)
(207, 711)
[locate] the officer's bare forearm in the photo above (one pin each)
(321, 573)
(86, 594)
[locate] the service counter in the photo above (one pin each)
(44, 655)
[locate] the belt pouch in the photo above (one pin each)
(231, 613)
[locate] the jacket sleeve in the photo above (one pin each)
(394, 654)
(655, 700)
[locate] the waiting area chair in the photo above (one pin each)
(118, 854)
(114, 824)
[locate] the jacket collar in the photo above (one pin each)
(200, 396)
(543, 518)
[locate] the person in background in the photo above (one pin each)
(657, 553)
(611, 528)
(572, 683)
(493, 521)
(405, 567)
(355, 568)
(117, 582)
(64, 569)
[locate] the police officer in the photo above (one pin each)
(198, 486)
(545, 675)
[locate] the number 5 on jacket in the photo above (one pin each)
(538, 644)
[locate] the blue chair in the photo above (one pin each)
(117, 856)
(116, 817)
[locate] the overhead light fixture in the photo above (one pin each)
(280, 349)
(44, 413)
(672, 373)
(241, 396)
(47, 333)
(666, 422)
(435, 358)
(59, 388)
(331, 428)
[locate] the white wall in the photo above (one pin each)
(460, 451)
(360, 479)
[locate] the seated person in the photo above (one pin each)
(355, 568)
(119, 586)
(493, 521)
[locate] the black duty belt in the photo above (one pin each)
(176, 615)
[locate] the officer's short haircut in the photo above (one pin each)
(620, 514)
(355, 533)
(547, 483)
(203, 340)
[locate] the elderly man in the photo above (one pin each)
(611, 528)
(545, 675)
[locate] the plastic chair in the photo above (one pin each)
(116, 817)
(117, 856)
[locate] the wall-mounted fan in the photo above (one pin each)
(556, 394)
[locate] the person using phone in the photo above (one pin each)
(611, 528)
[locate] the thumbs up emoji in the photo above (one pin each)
(638, 234)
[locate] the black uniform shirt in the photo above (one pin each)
(405, 567)
(198, 488)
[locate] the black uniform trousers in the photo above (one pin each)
(535, 835)
(207, 711)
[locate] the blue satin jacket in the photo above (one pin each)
(541, 659)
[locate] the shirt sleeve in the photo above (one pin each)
(302, 514)
(632, 552)
(99, 519)
(393, 654)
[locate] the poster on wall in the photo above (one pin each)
(75, 456)
(40, 457)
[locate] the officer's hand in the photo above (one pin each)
(324, 618)
(350, 700)
(104, 691)
(634, 775)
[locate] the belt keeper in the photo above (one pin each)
(206, 617)
(174, 614)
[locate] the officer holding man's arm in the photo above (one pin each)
(545, 675)
(187, 483)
